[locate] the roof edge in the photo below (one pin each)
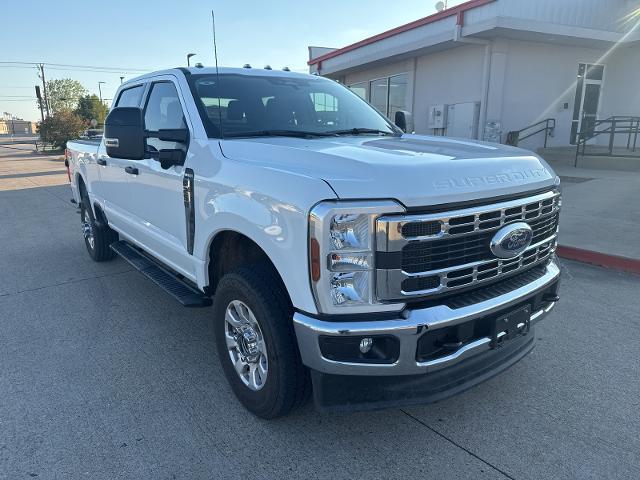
(449, 12)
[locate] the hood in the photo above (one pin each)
(416, 170)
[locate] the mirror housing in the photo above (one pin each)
(124, 133)
(400, 120)
(177, 135)
(171, 157)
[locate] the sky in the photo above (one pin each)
(135, 36)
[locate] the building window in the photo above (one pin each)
(324, 102)
(379, 94)
(389, 94)
(360, 89)
(397, 95)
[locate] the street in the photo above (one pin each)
(102, 375)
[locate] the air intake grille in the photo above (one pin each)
(459, 250)
(432, 254)
(421, 229)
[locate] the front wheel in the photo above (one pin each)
(97, 238)
(256, 342)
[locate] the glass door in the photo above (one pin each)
(588, 89)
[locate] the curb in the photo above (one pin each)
(613, 262)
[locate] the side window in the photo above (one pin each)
(163, 109)
(130, 97)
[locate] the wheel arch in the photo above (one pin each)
(229, 249)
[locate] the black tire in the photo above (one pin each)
(287, 384)
(103, 236)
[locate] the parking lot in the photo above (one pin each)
(102, 375)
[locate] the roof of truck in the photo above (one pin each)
(222, 70)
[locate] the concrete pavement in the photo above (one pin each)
(22, 167)
(102, 375)
(600, 211)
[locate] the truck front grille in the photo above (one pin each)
(456, 250)
(426, 255)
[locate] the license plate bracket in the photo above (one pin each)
(511, 325)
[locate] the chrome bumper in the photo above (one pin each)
(408, 331)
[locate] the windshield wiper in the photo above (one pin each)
(360, 131)
(277, 133)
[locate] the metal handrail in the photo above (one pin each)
(614, 125)
(514, 138)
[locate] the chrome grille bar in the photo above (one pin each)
(389, 236)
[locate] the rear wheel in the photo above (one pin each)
(97, 237)
(256, 342)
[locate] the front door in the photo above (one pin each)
(587, 100)
(114, 180)
(156, 201)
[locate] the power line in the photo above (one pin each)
(61, 66)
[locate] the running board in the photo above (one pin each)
(161, 276)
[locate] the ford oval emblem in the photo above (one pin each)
(511, 240)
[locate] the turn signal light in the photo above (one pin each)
(314, 249)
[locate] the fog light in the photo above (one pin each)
(366, 344)
(380, 349)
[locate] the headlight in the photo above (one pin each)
(341, 255)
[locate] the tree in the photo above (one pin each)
(90, 107)
(64, 94)
(61, 127)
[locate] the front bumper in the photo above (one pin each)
(408, 331)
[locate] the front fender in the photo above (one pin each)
(271, 208)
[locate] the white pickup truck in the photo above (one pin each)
(342, 256)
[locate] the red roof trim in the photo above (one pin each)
(458, 11)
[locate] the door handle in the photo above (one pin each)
(102, 161)
(131, 170)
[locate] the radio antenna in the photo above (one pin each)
(215, 54)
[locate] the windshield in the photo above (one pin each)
(250, 105)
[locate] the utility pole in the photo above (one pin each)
(121, 80)
(39, 96)
(100, 90)
(44, 89)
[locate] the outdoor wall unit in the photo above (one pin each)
(463, 119)
(437, 116)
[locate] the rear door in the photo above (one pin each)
(155, 198)
(114, 181)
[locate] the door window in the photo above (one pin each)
(163, 112)
(163, 108)
(130, 97)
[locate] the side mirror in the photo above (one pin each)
(401, 120)
(124, 133)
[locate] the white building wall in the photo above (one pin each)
(451, 76)
(530, 81)
(539, 79)
(623, 68)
